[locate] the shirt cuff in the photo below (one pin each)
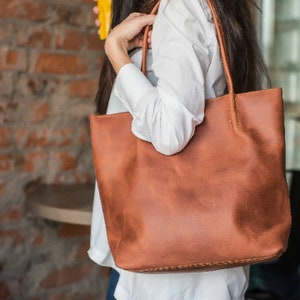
(131, 85)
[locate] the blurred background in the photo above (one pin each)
(50, 59)
(279, 29)
(279, 32)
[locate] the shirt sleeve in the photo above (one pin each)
(166, 114)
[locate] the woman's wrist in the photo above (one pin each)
(125, 36)
(116, 52)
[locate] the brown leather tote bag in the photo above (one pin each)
(219, 203)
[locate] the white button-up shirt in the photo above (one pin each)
(184, 68)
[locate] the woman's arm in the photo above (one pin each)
(125, 37)
(165, 115)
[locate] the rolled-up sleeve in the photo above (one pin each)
(166, 114)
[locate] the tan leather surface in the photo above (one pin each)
(223, 198)
(221, 202)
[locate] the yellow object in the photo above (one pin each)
(104, 17)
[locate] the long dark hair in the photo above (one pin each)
(246, 63)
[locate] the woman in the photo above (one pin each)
(184, 69)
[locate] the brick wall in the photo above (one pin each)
(50, 58)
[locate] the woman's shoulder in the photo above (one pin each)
(196, 9)
(192, 18)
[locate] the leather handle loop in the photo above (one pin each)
(223, 49)
(220, 35)
(145, 42)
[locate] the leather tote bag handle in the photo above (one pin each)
(220, 35)
(224, 57)
(227, 187)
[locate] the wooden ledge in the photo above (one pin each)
(62, 203)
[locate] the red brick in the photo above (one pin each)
(54, 63)
(12, 237)
(70, 15)
(11, 58)
(5, 291)
(32, 10)
(9, 9)
(2, 112)
(12, 215)
(84, 88)
(69, 40)
(100, 61)
(65, 276)
(60, 137)
(13, 105)
(73, 296)
(37, 86)
(34, 161)
(7, 83)
(4, 137)
(93, 42)
(20, 135)
(6, 163)
(66, 160)
(70, 231)
(82, 251)
(45, 137)
(38, 112)
(15, 59)
(6, 108)
(63, 137)
(31, 138)
(65, 1)
(9, 112)
(2, 188)
(37, 139)
(6, 29)
(18, 160)
(82, 3)
(90, 19)
(83, 136)
(36, 38)
(36, 236)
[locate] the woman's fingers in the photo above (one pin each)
(97, 23)
(133, 16)
(139, 21)
(96, 10)
(128, 34)
(149, 38)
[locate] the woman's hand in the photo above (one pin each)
(96, 12)
(126, 36)
(128, 33)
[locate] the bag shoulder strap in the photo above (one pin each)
(221, 39)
